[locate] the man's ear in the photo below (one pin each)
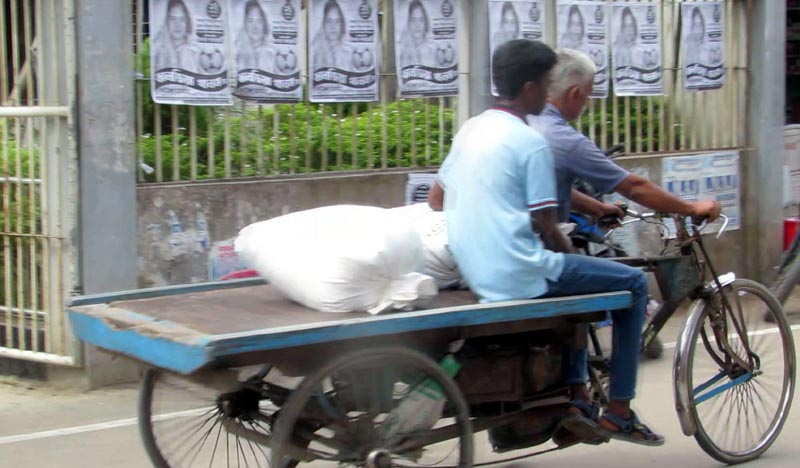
(529, 87)
(573, 92)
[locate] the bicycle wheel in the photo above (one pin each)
(738, 409)
(353, 412)
(184, 424)
(787, 277)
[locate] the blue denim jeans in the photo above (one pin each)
(589, 275)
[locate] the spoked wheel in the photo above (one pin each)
(184, 424)
(377, 408)
(739, 401)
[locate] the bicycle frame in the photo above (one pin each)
(683, 276)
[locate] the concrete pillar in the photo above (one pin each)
(475, 53)
(106, 151)
(763, 175)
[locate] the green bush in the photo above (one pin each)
(309, 137)
(18, 162)
(20, 213)
(604, 124)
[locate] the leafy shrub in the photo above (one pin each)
(308, 138)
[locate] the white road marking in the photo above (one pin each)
(95, 427)
(194, 412)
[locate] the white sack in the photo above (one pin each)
(340, 258)
(432, 229)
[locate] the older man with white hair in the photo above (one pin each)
(577, 157)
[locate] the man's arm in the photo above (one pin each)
(648, 194)
(592, 165)
(585, 204)
(436, 197)
(544, 222)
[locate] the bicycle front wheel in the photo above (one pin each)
(738, 395)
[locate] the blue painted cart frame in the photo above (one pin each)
(131, 322)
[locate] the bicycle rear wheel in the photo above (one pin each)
(350, 413)
(184, 424)
(738, 408)
(787, 277)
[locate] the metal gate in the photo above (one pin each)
(38, 179)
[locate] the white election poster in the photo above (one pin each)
(791, 145)
(709, 176)
(426, 47)
(636, 49)
(343, 50)
(703, 45)
(266, 49)
(720, 182)
(188, 52)
(510, 20)
(583, 25)
(418, 187)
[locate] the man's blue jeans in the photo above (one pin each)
(589, 275)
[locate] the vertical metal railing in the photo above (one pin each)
(37, 160)
(679, 120)
(188, 143)
(246, 140)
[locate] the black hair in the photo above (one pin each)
(518, 61)
(575, 11)
(696, 13)
(180, 4)
(507, 6)
(330, 6)
(627, 12)
(254, 5)
(417, 5)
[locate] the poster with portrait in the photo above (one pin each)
(426, 47)
(188, 52)
(703, 45)
(636, 49)
(266, 51)
(344, 50)
(583, 25)
(515, 20)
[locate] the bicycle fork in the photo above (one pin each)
(732, 366)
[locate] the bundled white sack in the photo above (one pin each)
(342, 258)
(432, 229)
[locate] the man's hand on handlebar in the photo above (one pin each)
(707, 209)
(610, 215)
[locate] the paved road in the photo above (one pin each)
(45, 427)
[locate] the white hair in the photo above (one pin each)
(574, 68)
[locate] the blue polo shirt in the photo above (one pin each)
(499, 170)
(576, 157)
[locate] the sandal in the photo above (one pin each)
(573, 428)
(630, 429)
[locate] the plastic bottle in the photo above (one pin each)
(176, 237)
(202, 231)
(423, 405)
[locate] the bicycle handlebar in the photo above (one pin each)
(618, 148)
(695, 220)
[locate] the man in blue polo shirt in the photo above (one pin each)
(499, 191)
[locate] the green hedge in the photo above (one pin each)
(314, 148)
(605, 124)
(18, 161)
